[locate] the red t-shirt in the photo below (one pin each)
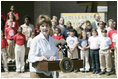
(36, 31)
(10, 32)
(20, 39)
(58, 37)
(4, 43)
(15, 25)
(111, 34)
(15, 14)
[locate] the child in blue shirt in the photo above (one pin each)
(84, 51)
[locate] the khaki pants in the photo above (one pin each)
(10, 49)
(19, 56)
(105, 60)
(39, 75)
(73, 54)
(60, 54)
(4, 59)
(85, 57)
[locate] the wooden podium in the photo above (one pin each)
(54, 65)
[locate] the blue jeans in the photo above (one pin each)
(95, 60)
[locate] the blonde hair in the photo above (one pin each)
(43, 19)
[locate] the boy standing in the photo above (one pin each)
(105, 54)
(72, 42)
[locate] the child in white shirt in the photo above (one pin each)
(105, 54)
(94, 51)
(30, 39)
(72, 42)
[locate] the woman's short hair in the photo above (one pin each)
(110, 20)
(43, 19)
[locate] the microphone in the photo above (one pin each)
(59, 45)
(64, 43)
(57, 42)
(66, 48)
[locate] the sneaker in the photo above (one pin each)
(6, 70)
(101, 73)
(108, 73)
(97, 72)
(82, 69)
(93, 72)
(75, 70)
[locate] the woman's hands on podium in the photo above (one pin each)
(50, 59)
(43, 58)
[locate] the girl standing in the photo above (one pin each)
(94, 51)
(84, 46)
(19, 55)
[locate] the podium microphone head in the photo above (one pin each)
(63, 42)
(57, 42)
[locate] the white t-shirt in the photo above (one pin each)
(27, 30)
(72, 41)
(99, 32)
(29, 42)
(104, 42)
(94, 42)
(108, 29)
(115, 40)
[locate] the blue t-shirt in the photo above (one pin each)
(83, 42)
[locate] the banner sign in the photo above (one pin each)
(75, 17)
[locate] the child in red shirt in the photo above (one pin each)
(9, 33)
(57, 34)
(4, 45)
(19, 50)
(112, 33)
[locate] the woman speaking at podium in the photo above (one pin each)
(42, 48)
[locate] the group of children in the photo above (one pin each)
(94, 42)
(16, 40)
